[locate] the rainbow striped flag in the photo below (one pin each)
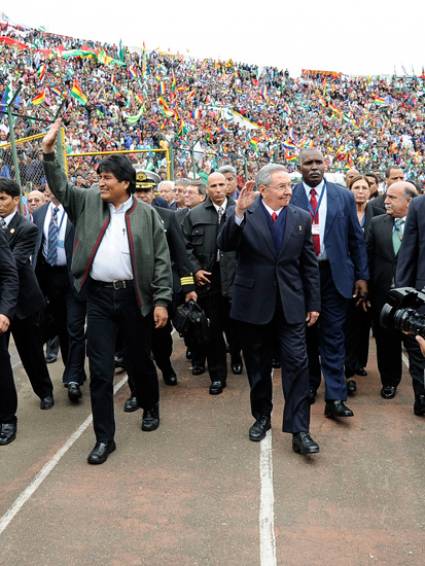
(162, 88)
(254, 143)
(78, 94)
(379, 101)
(41, 73)
(132, 71)
(166, 110)
(39, 98)
(288, 144)
(57, 91)
(290, 156)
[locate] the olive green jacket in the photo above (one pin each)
(150, 258)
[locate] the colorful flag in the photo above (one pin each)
(57, 91)
(162, 88)
(39, 98)
(288, 144)
(290, 156)
(380, 101)
(132, 71)
(254, 143)
(78, 94)
(41, 73)
(166, 110)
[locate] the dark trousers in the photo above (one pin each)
(8, 397)
(258, 346)
(231, 332)
(76, 317)
(356, 339)
(388, 353)
(215, 308)
(55, 284)
(110, 311)
(27, 335)
(326, 340)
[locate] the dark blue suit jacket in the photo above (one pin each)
(344, 240)
(262, 274)
(411, 256)
(38, 219)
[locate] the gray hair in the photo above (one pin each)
(182, 182)
(168, 184)
(202, 187)
(227, 169)
(264, 175)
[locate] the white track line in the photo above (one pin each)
(47, 468)
(266, 515)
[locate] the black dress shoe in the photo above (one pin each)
(418, 407)
(335, 409)
(198, 369)
(351, 387)
(258, 430)
(237, 366)
(312, 395)
(100, 452)
(150, 419)
(388, 391)
(170, 379)
(119, 364)
(7, 433)
(47, 402)
(217, 387)
(362, 372)
(74, 392)
(302, 443)
(188, 354)
(275, 363)
(131, 405)
(50, 358)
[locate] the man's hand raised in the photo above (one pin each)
(246, 197)
(49, 140)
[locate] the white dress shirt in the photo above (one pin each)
(323, 209)
(61, 220)
(112, 261)
(9, 217)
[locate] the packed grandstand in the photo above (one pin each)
(208, 112)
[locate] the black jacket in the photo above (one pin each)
(182, 273)
(22, 238)
(9, 281)
(200, 231)
(375, 207)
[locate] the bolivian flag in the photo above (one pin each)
(39, 98)
(78, 94)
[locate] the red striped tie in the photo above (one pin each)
(315, 219)
(274, 216)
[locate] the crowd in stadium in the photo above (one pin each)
(211, 112)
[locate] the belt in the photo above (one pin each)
(114, 284)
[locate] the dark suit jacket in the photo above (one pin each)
(382, 260)
(179, 260)
(22, 237)
(262, 275)
(375, 207)
(38, 218)
(9, 281)
(411, 256)
(344, 241)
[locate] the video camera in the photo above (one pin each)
(400, 312)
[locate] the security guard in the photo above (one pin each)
(183, 281)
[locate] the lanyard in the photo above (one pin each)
(313, 212)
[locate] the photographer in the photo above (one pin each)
(411, 273)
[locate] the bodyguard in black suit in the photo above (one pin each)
(26, 326)
(384, 236)
(67, 308)
(341, 250)
(411, 273)
(9, 288)
(276, 290)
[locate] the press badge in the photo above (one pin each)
(315, 229)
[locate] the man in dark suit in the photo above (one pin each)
(183, 282)
(384, 237)
(376, 206)
(68, 310)
(411, 273)
(341, 250)
(9, 289)
(214, 272)
(26, 326)
(276, 290)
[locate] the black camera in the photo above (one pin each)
(401, 311)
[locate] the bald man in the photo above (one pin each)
(213, 271)
(411, 273)
(35, 200)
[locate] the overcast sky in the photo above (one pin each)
(354, 37)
